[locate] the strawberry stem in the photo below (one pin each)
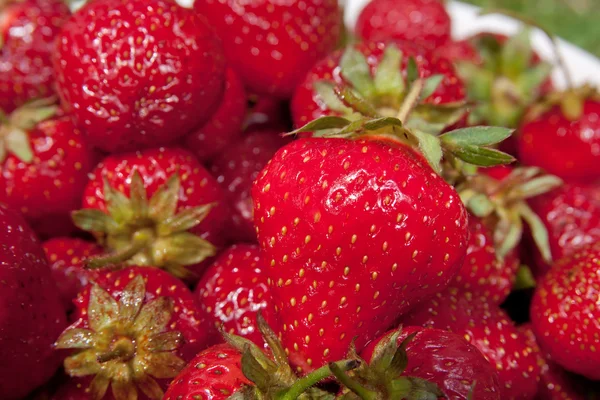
(354, 386)
(116, 257)
(411, 100)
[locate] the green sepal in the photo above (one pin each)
(388, 77)
(524, 279)
(356, 70)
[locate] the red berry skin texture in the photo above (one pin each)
(27, 32)
(31, 314)
(567, 148)
(272, 44)
(425, 22)
(138, 73)
(353, 236)
(564, 312)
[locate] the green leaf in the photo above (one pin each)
(254, 371)
(82, 364)
(166, 341)
(325, 90)
(516, 53)
(538, 230)
(384, 122)
(164, 201)
(182, 249)
(388, 77)
(480, 205)
(131, 300)
(508, 232)
(350, 99)
(476, 136)
(412, 71)
(137, 196)
(103, 309)
(430, 86)
(76, 339)
(323, 123)
(524, 279)
(430, 147)
(356, 70)
(184, 220)
(118, 205)
(537, 186)
(93, 220)
(482, 156)
(17, 143)
(154, 316)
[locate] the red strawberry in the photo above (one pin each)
(31, 315)
(157, 207)
(272, 44)
(353, 234)
(562, 135)
(234, 289)
(138, 73)
(27, 32)
(425, 22)
(564, 312)
(225, 126)
(65, 256)
(489, 329)
(135, 330)
(44, 162)
(237, 168)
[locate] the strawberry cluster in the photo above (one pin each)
(241, 200)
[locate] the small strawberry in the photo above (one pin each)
(225, 126)
(31, 315)
(157, 207)
(138, 73)
(234, 289)
(562, 135)
(44, 162)
(237, 168)
(565, 315)
(271, 43)
(425, 22)
(489, 329)
(27, 32)
(65, 256)
(134, 330)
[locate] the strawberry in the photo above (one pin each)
(564, 312)
(134, 330)
(425, 22)
(157, 207)
(44, 162)
(225, 126)
(65, 256)
(237, 168)
(234, 289)
(138, 73)
(489, 329)
(562, 135)
(410, 362)
(31, 315)
(27, 34)
(274, 48)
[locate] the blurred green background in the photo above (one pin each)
(577, 21)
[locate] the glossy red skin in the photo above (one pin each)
(31, 314)
(234, 289)
(448, 360)
(421, 21)
(52, 184)
(138, 73)
(460, 50)
(307, 105)
(65, 256)
(225, 125)
(353, 235)
(571, 215)
(155, 166)
(271, 43)
(214, 374)
(482, 272)
(564, 313)
(28, 30)
(568, 149)
(488, 328)
(237, 168)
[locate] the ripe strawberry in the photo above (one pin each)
(65, 256)
(234, 289)
(157, 207)
(489, 329)
(425, 22)
(562, 135)
(134, 330)
(225, 126)
(27, 34)
(275, 47)
(44, 162)
(564, 312)
(237, 168)
(138, 73)
(31, 315)
(345, 226)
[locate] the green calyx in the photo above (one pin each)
(570, 101)
(272, 377)
(505, 83)
(128, 344)
(14, 128)
(503, 204)
(147, 232)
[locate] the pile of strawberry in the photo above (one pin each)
(240, 200)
